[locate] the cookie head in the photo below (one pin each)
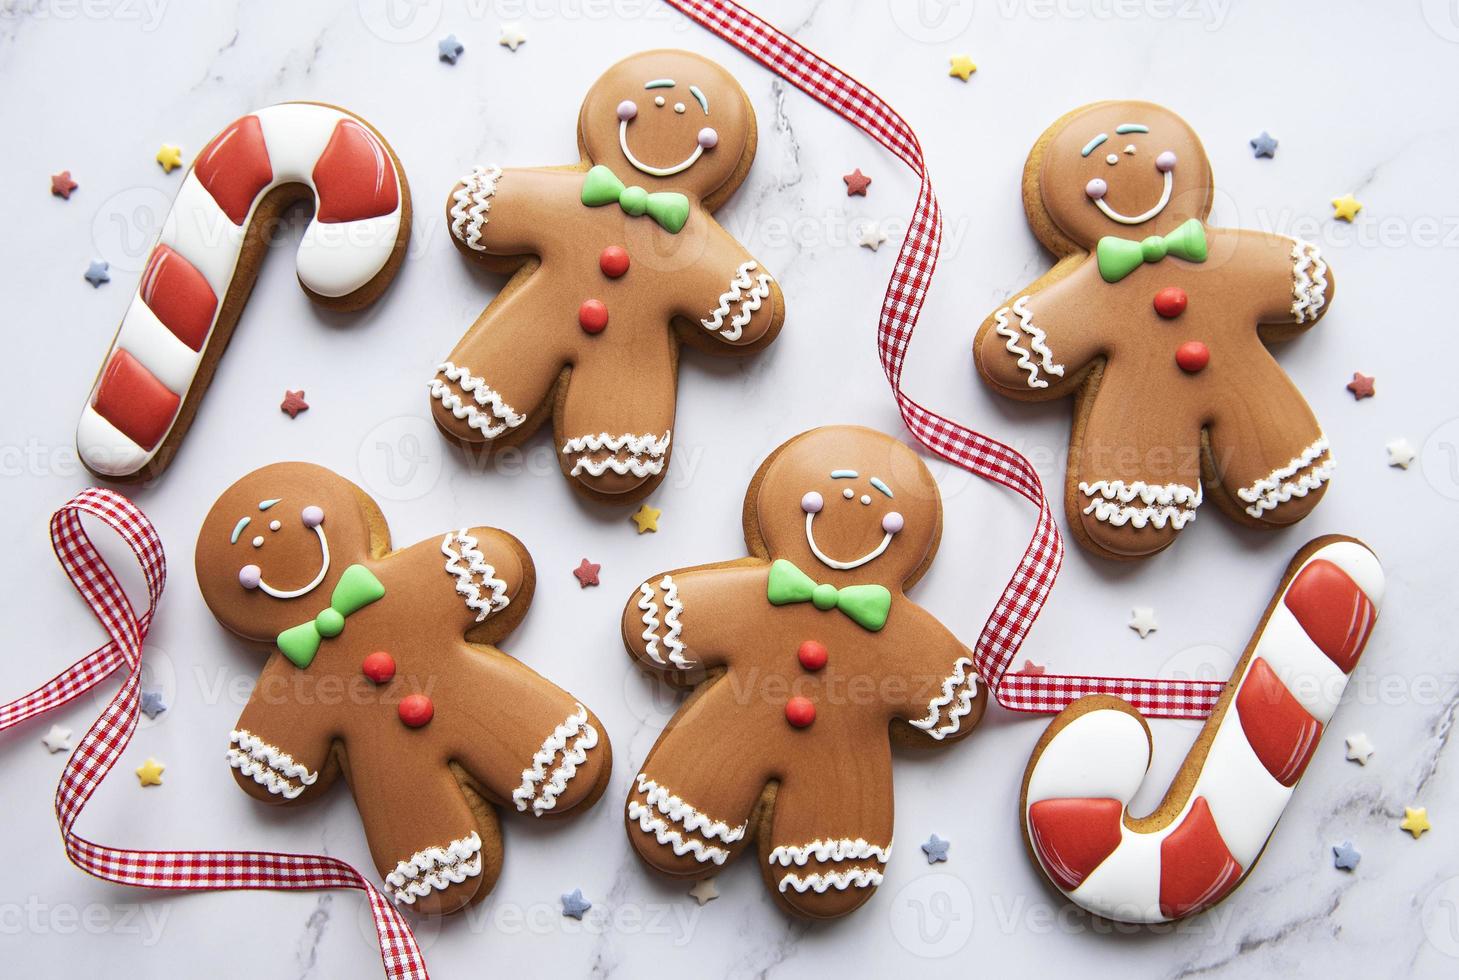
(847, 504)
(276, 542)
(1130, 169)
(669, 120)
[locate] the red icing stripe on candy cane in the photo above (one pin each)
(235, 167)
(354, 176)
(1196, 869)
(1332, 610)
(174, 289)
(1281, 732)
(1074, 836)
(131, 398)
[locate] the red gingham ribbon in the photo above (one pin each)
(103, 745)
(1026, 590)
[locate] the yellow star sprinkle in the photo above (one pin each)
(1345, 208)
(647, 518)
(149, 773)
(962, 66)
(170, 157)
(1416, 821)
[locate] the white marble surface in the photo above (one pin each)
(1360, 96)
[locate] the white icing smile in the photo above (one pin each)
(812, 502)
(638, 164)
(1138, 219)
(251, 577)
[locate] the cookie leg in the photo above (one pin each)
(280, 749)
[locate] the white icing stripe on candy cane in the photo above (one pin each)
(959, 678)
(435, 869)
(1038, 341)
(642, 455)
(840, 849)
(471, 204)
(839, 880)
(268, 765)
(1309, 281)
(1080, 784)
(1113, 502)
(759, 291)
(475, 567)
(551, 787)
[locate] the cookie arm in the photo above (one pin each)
(728, 298)
(1037, 344)
(496, 212)
(945, 698)
(1288, 277)
(684, 622)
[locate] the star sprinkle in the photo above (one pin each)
(575, 905)
(1345, 856)
(1401, 453)
(449, 49)
(936, 849)
(58, 739)
(1142, 621)
(1031, 668)
(96, 273)
(512, 36)
(1361, 386)
(1345, 208)
(856, 182)
(704, 891)
(587, 573)
(149, 773)
(293, 403)
(152, 703)
(1360, 750)
(1263, 145)
(1416, 821)
(872, 236)
(170, 157)
(62, 185)
(961, 66)
(647, 518)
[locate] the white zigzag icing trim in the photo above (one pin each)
(842, 849)
(268, 765)
(1038, 340)
(839, 880)
(650, 606)
(1309, 288)
(950, 683)
(476, 564)
(1273, 490)
(1164, 503)
(759, 292)
(472, 202)
(435, 869)
(664, 834)
(501, 417)
(685, 815)
(645, 453)
(571, 759)
(1273, 480)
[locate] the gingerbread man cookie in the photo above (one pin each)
(383, 669)
(618, 260)
(1159, 323)
(810, 660)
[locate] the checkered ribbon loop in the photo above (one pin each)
(103, 745)
(1024, 595)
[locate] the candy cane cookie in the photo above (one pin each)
(202, 268)
(1205, 836)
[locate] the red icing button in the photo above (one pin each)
(1170, 302)
(1192, 356)
(812, 655)
(379, 666)
(593, 315)
(613, 261)
(800, 712)
(416, 710)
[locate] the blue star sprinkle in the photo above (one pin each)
(1345, 856)
(1264, 145)
(449, 48)
(96, 273)
(575, 905)
(936, 849)
(152, 703)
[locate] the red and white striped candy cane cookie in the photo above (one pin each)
(199, 274)
(1226, 799)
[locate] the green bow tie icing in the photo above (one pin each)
(1118, 257)
(668, 208)
(357, 588)
(866, 605)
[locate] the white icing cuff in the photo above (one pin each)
(1275, 489)
(839, 880)
(1114, 502)
(540, 789)
(498, 416)
(749, 295)
(268, 765)
(683, 815)
(838, 849)
(959, 678)
(648, 602)
(435, 869)
(1309, 281)
(471, 203)
(468, 564)
(1038, 341)
(642, 455)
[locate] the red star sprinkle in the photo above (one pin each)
(1361, 386)
(856, 182)
(587, 573)
(62, 185)
(1029, 667)
(294, 403)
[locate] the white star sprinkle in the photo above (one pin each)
(512, 36)
(58, 739)
(1401, 453)
(1142, 621)
(872, 236)
(1359, 748)
(704, 891)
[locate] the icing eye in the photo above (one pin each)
(848, 493)
(708, 138)
(249, 576)
(1111, 159)
(1096, 189)
(678, 107)
(258, 541)
(627, 110)
(274, 525)
(659, 101)
(865, 499)
(812, 503)
(313, 516)
(1165, 162)
(892, 522)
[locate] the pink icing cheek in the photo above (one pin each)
(626, 110)
(249, 576)
(1096, 189)
(1165, 162)
(313, 516)
(708, 138)
(892, 522)
(812, 503)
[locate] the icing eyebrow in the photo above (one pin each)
(1093, 144)
(1124, 128)
(238, 529)
(266, 504)
(660, 83)
(700, 98)
(844, 474)
(877, 482)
